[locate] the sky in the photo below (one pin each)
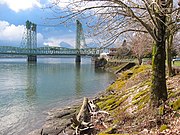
(14, 14)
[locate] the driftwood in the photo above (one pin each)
(84, 122)
(83, 114)
(81, 122)
(88, 121)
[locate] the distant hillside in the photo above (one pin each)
(65, 45)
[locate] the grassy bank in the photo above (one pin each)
(176, 63)
(128, 102)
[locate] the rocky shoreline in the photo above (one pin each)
(60, 121)
(57, 121)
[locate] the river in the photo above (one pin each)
(28, 90)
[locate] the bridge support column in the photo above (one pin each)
(78, 58)
(32, 58)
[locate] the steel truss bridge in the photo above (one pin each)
(49, 51)
(29, 45)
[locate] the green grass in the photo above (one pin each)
(176, 63)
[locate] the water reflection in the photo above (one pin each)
(31, 82)
(78, 79)
(28, 89)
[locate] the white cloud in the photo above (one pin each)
(18, 5)
(12, 33)
(40, 39)
(70, 39)
(55, 41)
(52, 42)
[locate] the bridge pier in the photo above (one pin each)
(32, 58)
(78, 58)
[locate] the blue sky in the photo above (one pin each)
(14, 13)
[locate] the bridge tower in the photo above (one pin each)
(79, 38)
(31, 40)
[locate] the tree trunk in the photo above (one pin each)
(169, 56)
(158, 87)
(169, 40)
(139, 60)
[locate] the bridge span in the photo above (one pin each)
(29, 46)
(49, 51)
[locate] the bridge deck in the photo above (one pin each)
(48, 51)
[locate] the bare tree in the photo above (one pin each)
(172, 19)
(109, 19)
(141, 45)
(176, 44)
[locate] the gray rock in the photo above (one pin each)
(36, 132)
(51, 131)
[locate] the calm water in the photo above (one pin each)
(29, 90)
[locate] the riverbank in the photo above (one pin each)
(57, 121)
(127, 102)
